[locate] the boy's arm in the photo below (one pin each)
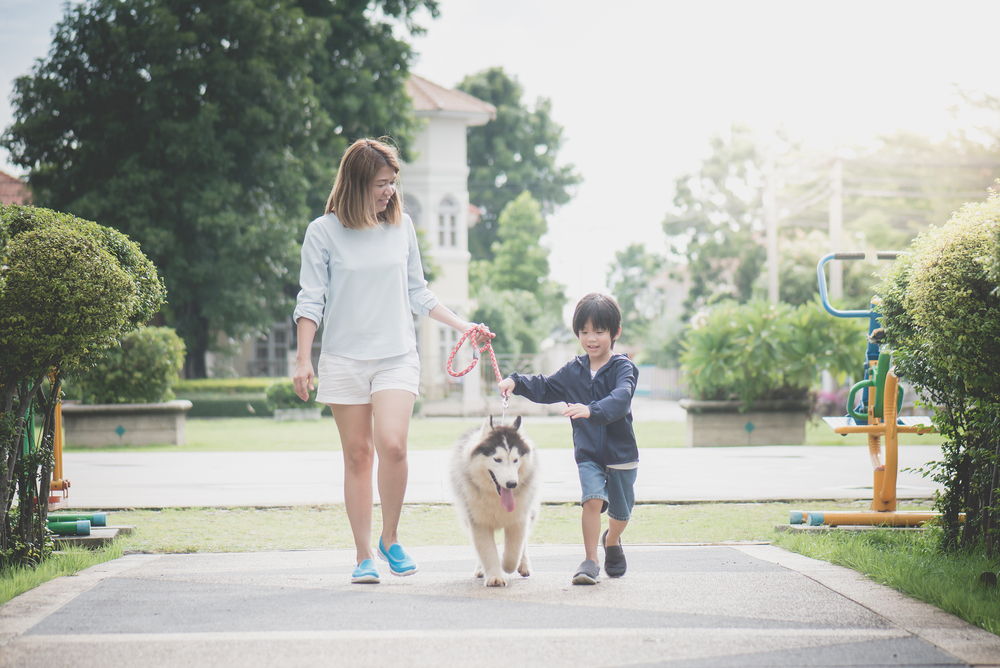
(617, 404)
(540, 389)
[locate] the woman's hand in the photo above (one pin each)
(481, 333)
(303, 379)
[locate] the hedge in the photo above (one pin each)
(140, 369)
(941, 311)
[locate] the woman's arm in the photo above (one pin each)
(445, 315)
(304, 374)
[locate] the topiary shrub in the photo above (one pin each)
(141, 369)
(757, 351)
(59, 301)
(941, 311)
(69, 288)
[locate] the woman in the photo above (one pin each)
(362, 277)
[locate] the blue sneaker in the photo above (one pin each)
(400, 563)
(365, 573)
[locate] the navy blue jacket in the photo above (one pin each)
(606, 437)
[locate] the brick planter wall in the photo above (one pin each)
(715, 423)
(99, 425)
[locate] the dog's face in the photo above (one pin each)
(500, 455)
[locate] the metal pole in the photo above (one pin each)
(771, 222)
(837, 226)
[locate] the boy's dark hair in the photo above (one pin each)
(602, 311)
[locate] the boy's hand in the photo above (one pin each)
(575, 411)
(506, 387)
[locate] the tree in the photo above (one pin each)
(717, 223)
(516, 281)
(515, 152)
(633, 282)
(205, 134)
(360, 73)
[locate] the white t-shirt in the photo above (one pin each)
(363, 285)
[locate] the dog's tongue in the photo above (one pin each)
(507, 499)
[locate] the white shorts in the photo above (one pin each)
(343, 380)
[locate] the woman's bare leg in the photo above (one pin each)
(354, 422)
(391, 410)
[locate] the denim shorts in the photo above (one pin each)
(616, 487)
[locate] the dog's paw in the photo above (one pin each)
(496, 581)
(524, 568)
(478, 572)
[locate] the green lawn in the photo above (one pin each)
(255, 434)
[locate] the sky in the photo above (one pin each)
(641, 86)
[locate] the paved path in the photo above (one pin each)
(692, 606)
(679, 605)
(112, 480)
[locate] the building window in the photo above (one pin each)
(270, 353)
(448, 223)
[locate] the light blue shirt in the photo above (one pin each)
(363, 285)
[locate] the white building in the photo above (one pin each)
(434, 186)
(436, 196)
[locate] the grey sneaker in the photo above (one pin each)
(587, 573)
(614, 558)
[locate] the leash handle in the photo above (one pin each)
(479, 330)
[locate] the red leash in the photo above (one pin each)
(487, 346)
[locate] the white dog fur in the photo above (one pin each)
(495, 479)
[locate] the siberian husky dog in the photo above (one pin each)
(494, 476)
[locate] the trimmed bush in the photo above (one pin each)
(282, 395)
(249, 385)
(60, 301)
(941, 311)
(756, 351)
(227, 405)
(140, 370)
(69, 288)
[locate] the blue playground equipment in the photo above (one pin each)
(872, 414)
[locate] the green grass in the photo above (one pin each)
(15, 581)
(264, 434)
(249, 529)
(910, 563)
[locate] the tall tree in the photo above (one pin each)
(633, 279)
(519, 274)
(717, 221)
(208, 134)
(515, 152)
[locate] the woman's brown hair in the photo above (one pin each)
(351, 198)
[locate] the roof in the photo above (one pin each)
(13, 190)
(427, 96)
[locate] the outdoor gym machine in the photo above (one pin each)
(876, 414)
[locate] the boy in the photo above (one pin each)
(597, 388)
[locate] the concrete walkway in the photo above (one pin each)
(111, 480)
(738, 606)
(679, 605)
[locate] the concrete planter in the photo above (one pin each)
(290, 414)
(99, 425)
(714, 423)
